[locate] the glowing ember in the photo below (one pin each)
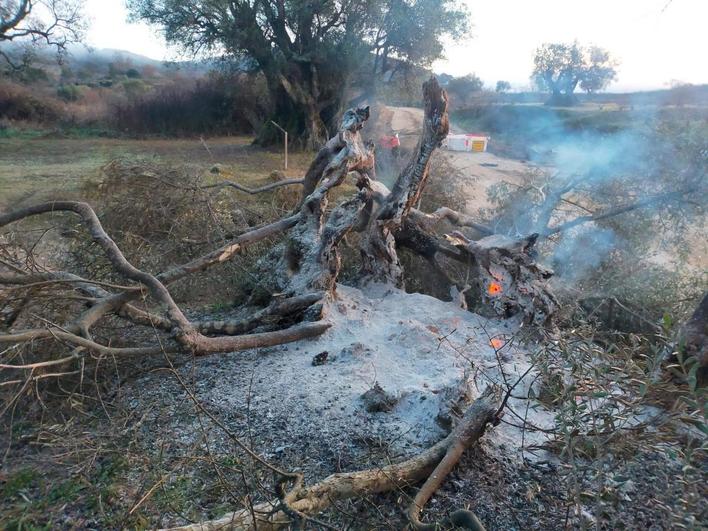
(496, 343)
(494, 288)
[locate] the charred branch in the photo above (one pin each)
(380, 261)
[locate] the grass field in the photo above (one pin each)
(34, 168)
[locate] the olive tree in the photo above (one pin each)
(560, 68)
(307, 51)
(503, 86)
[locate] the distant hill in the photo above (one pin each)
(81, 55)
(96, 62)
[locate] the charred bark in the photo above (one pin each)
(378, 247)
(508, 277)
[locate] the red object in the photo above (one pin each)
(389, 142)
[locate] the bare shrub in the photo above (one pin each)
(160, 215)
(20, 103)
(219, 104)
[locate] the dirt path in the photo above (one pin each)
(478, 171)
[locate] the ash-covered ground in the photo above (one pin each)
(398, 369)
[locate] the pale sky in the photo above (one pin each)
(656, 41)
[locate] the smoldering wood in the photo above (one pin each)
(508, 277)
(305, 268)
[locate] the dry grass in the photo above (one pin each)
(36, 168)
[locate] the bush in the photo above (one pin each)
(220, 104)
(134, 88)
(30, 75)
(18, 103)
(69, 93)
(133, 73)
(159, 217)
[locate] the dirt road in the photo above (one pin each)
(478, 171)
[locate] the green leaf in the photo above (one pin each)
(668, 321)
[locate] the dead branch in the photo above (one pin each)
(253, 191)
(309, 501)
(278, 309)
(457, 218)
(378, 250)
(672, 196)
(27, 336)
(114, 255)
(89, 287)
(208, 345)
(466, 434)
(229, 250)
(185, 332)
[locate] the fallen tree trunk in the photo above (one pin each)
(301, 503)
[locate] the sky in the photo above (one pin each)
(655, 41)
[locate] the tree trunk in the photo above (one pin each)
(692, 342)
(378, 245)
(303, 104)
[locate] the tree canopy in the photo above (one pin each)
(308, 51)
(503, 86)
(560, 67)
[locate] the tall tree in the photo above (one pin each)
(560, 67)
(307, 51)
(55, 23)
(462, 88)
(503, 86)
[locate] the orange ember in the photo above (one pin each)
(494, 288)
(496, 343)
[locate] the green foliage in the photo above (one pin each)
(17, 482)
(31, 75)
(604, 391)
(316, 47)
(69, 93)
(67, 74)
(133, 73)
(560, 67)
(134, 88)
(503, 86)
(114, 71)
(31, 500)
(465, 85)
(415, 30)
